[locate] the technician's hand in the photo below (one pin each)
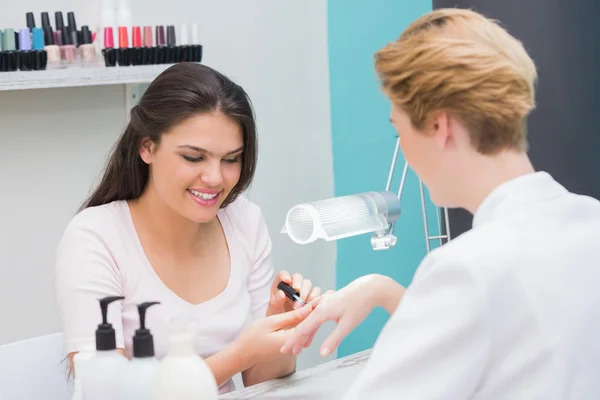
(348, 307)
(263, 338)
(279, 303)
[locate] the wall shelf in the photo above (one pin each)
(79, 76)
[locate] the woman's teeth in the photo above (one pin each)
(203, 196)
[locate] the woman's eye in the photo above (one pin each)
(192, 159)
(232, 160)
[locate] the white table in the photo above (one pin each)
(325, 381)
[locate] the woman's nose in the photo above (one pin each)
(212, 175)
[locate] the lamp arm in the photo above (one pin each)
(384, 239)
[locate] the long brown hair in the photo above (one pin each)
(180, 92)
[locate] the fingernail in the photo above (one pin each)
(324, 352)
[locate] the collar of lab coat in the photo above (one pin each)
(526, 189)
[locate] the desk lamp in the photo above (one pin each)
(357, 214)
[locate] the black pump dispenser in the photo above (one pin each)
(143, 343)
(105, 334)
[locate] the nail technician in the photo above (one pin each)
(508, 310)
(168, 223)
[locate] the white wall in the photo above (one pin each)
(53, 142)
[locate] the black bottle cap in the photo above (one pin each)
(110, 56)
(30, 20)
(171, 40)
(105, 334)
(86, 35)
(48, 36)
(143, 343)
(45, 19)
(66, 36)
(39, 60)
(71, 20)
(59, 22)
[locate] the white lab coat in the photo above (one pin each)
(508, 310)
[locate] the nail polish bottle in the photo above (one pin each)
(147, 50)
(195, 47)
(137, 54)
(124, 54)
(160, 49)
(52, 50)
(10, 50)
(25, 54)
(68, 51)
(184, 44)
(39, 58)
(109, 52)
(30, 20)
(45, 19)
(172, 49)
(73, 29)
(59, 25)
(3, 66)
(87, 48)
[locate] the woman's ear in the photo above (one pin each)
(147, 148)
(443, 129)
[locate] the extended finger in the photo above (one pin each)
(304, 330)
(289, 319)
(332, 342)
(310, 340)
(318, 300)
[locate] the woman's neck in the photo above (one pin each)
(489, 172)
(164, 226)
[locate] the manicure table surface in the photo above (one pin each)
(325, 381)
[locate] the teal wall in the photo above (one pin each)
(363, 144)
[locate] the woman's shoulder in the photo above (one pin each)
(100, 220)
(242, 210)
(247, 219)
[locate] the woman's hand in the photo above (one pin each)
(348, 307)
(263, 338)
(279, 303)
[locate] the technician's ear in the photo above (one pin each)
(442, 128)
(147, 148)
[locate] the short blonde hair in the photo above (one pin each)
(461, 62)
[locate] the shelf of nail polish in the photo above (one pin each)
(38, 49)
(72, 77)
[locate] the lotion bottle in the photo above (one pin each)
(80, 361)
(103, 372)
(138, 378)
(182, 373)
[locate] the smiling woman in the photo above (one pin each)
(168, 223)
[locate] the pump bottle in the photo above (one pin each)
(182, 373)
(137, 381)
(104, 370)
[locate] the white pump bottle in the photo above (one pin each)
(183, 374)
(104, 370)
